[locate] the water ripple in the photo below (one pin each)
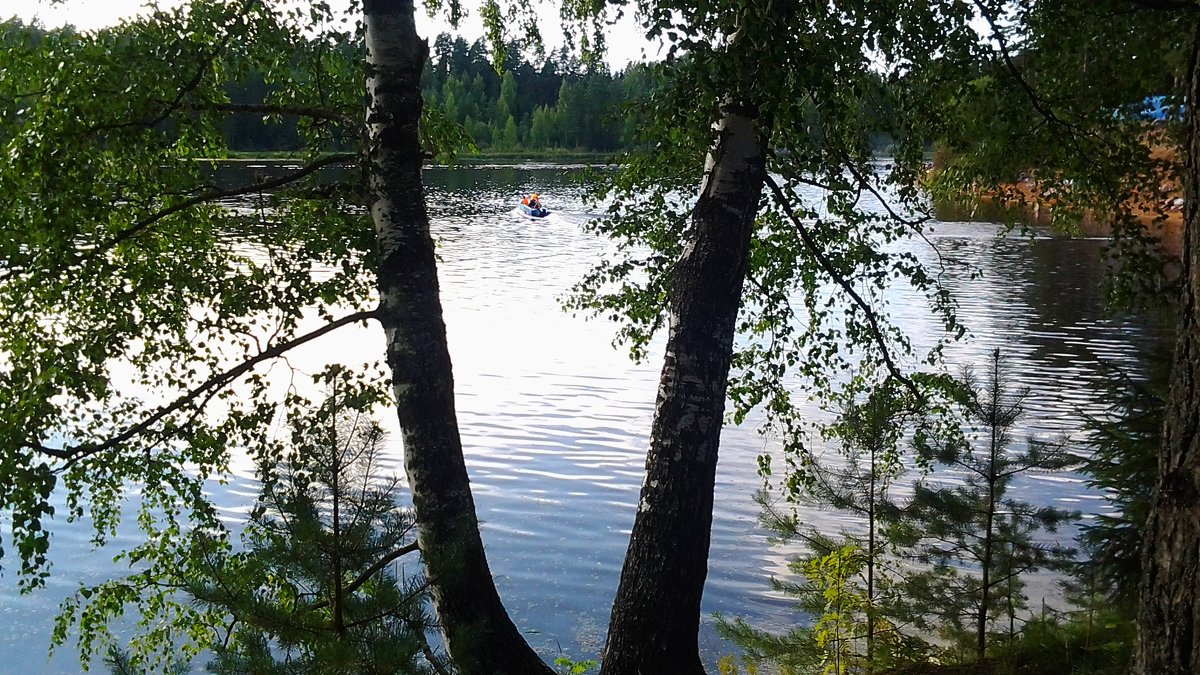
(555, 422)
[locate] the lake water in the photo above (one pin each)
(555, 420)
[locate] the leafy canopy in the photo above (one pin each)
(130, 308)
(828, 83)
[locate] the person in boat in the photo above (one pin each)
(533, 202)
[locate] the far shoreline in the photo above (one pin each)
(548, 156)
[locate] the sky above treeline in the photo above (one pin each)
(625, 42)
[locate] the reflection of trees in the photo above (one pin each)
(974, 211)
(1063, 281)
(1048, 294)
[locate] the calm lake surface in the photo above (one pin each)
(555, 420)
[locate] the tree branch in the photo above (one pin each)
(1034, 99)
(186, 89)
(379, 565)
(274, 109)
(914, 225)
(171, 106)
(365, 576)
(79, 452)
(824, 263)
(214, 195)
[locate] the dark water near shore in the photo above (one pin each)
(555, 420)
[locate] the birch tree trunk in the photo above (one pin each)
(480, 637)
(656, 615)
(1169, 614)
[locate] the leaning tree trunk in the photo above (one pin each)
(656, 615)
(1169, 613)
(480, 637)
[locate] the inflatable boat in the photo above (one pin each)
(540, 212)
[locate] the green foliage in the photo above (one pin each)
(870, 434)
(313, 585)
(948, 564)
(153, 298)
(121, 662)
(813, 321)
(1100, 645)
(1065, 82)
(973, 540)
(94, 275)
(567, 666)
(317, 587)
(1124, 442)
(849, 580)
(150, 299)
(838, 627)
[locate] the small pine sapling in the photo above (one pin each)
(973, 538)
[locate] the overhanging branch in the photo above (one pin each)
(74, 454)
(310, 112)
(214, 195)
(1035, 99)
(827, 266)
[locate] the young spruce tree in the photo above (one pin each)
(316, 588)
(849, 580)
(975, 538)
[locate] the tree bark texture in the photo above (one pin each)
(1169, 612)
(656, 615)
(480, 637)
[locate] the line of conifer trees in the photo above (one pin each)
(557, 103)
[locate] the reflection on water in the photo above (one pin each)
(555, 420)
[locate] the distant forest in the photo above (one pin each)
(554, 104)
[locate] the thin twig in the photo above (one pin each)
(214, 195)
(74, 454)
